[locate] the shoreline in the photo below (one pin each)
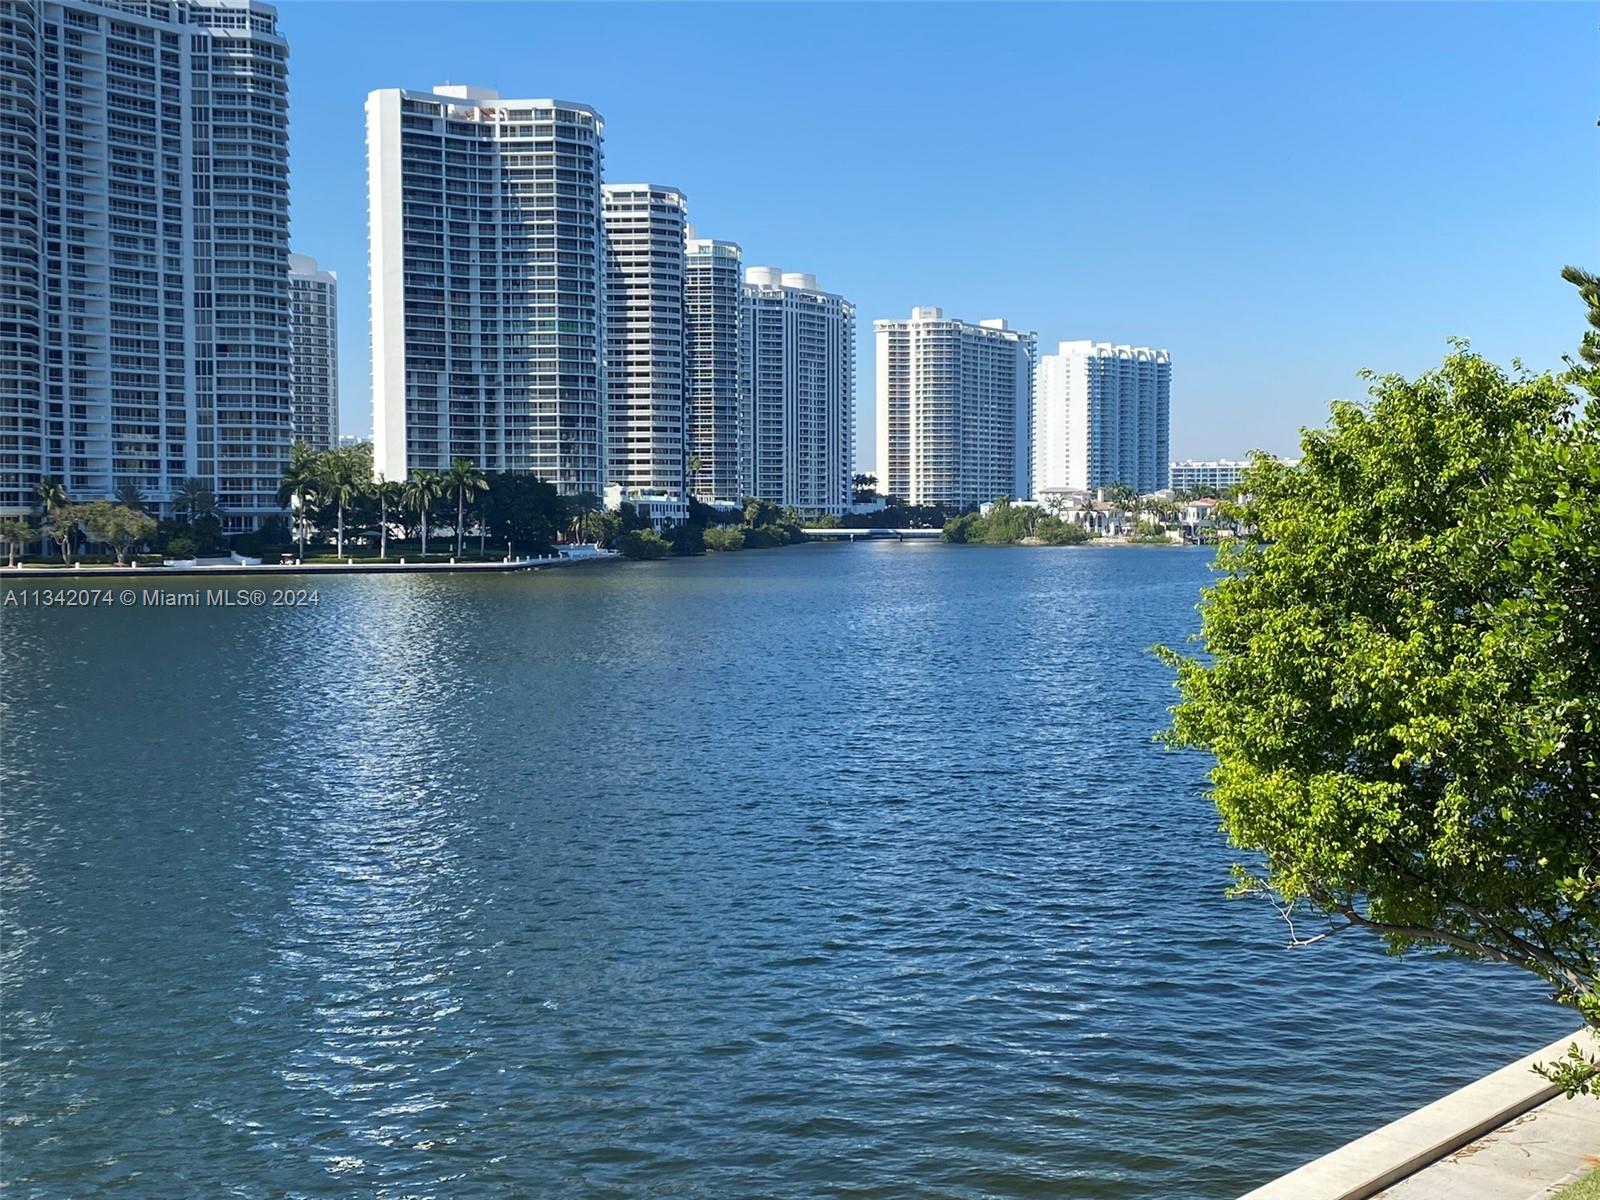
(379, 567)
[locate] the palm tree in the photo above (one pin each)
(1124, 499)
(583, 507)
(695, 463)
(196, 499)
(340, 481)
(387, 494)
(129, 496)
(51, 496)
(421, 490)
(461, 478)
(300, 481)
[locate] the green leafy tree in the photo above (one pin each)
(419, 493)
(524, 512)
(15, 534)
(298, 487)
(463, 477)
(643, 544)
(1401, 684)
(130, 496)
(584, 510)
(724, 538)
(61, 527)
(605, 528)
(1055, 531)
(119, 526)
(1586, 371)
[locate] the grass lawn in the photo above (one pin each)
(1587, 1188)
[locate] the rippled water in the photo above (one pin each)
(827, 871)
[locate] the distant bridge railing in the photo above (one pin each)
(863, 535)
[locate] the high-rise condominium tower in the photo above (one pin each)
(314, 353)
(799, 365)
(144, 214)
(953, 409)
(1100, 417)
(712, 348)
(644, 225)
(488, 285)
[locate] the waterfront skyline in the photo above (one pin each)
(1303, 143)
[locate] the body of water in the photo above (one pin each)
(845, 871)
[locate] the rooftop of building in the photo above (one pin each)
(665, 189)
(490, 98)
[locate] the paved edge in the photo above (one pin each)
(1380, 1159)
(45, 574)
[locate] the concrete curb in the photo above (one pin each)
(1369, 1164)
(46, 574)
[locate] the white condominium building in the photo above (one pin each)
(953, 409)
(488, 284)
(644, 226)
(1215, 474)
(1101, 417)
(314, 353)
(712, 318)
(799, 391)
(144, 215)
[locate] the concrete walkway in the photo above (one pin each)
(1507, 1136)
(210, 570)
(1532, 1157)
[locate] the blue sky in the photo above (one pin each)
(1279, 194)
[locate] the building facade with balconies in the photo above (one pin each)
(488, 285)
(314, 353)
(798, 391)
(953, 409)
(645, 394)
(713, 319)
(144, 304)
(1101, 416)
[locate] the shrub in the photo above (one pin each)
(180, 547)
(724, 537)
(643, 544)
(764, 537)
(1053, 531)
(687, 538)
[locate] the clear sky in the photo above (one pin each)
(1279, 194)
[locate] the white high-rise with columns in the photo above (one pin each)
(488, 285)
(1101, 415)
(953, 404)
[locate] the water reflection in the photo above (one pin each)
(832, 871)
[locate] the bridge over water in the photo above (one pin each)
(853, 535)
